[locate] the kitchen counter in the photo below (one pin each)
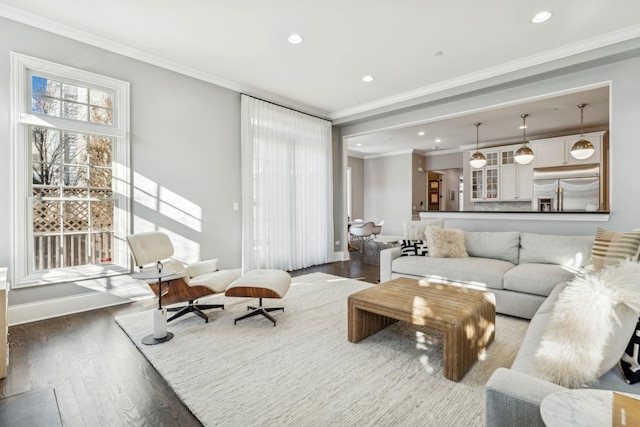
(598, 216)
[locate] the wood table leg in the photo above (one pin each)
(362, 324)
(465, 342)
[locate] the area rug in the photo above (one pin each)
(305, 372)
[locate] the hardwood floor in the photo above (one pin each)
(99, 377)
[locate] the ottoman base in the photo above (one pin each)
(260, 284)
(259, 310)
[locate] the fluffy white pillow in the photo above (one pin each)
(590, 325)
(445, 243)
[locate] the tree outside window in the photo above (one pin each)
(73, 205)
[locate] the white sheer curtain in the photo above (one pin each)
(287, 188)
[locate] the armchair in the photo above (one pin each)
(190, 282)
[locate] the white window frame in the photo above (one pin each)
(22, 66)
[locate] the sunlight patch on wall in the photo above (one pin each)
(168, 203)
(186, 250)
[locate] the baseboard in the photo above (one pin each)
(341, 256)
(48, 309)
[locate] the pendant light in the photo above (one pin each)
(477, 159)
(582, 149)
(524, 155)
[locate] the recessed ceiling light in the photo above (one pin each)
(368, 78)
(541, 17)
(438, 140)
(358, 145)
(420, 133)
(295, 39)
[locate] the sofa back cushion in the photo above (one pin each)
(504, 245)
(572, 251)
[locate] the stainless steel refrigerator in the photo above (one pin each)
(566, 188)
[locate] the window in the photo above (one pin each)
(70, 136)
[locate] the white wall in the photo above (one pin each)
(357, 187)
(185, 137)
(444, 161)
(621, 70)
(387, 191)
(450, 182)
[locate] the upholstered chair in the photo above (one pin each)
(190, 282)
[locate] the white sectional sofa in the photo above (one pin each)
(521, 269)
(526, 272)
(513, 396)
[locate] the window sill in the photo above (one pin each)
(70, 275)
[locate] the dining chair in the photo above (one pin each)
(362, 232)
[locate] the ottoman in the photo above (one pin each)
(260, 284)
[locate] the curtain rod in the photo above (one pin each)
(288, 108)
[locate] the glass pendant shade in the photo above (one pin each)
(582, 149)
(477, 159)
(524, 155)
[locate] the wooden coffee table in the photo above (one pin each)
(466, 316)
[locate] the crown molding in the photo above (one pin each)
(389, 154)
(432, 153)
(54, 27)
(119, 48)
(593, 43)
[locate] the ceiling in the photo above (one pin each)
(412, 47)
(547, 117)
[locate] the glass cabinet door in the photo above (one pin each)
(477, 184)
(492, 159)
(492, 183)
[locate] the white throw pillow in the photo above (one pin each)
(445, 243)
(590, 326)
(414, 230)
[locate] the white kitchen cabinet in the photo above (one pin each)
(485, 181)
(516, 180)
(557, 151)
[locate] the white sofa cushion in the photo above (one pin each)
(504, 245)
(482, 272)
(537, 279)
(570, 251)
